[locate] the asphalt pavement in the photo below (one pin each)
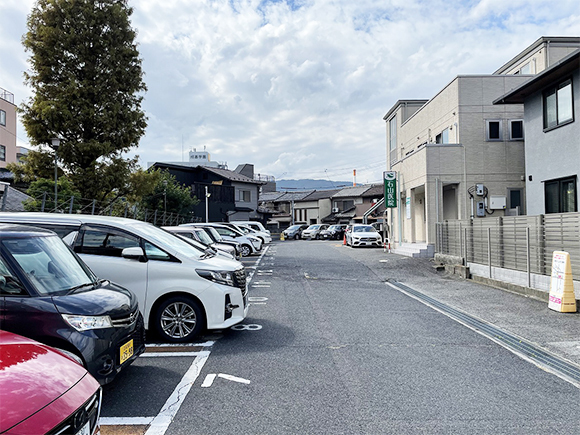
(530, 319)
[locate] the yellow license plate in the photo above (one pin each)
(126, 351)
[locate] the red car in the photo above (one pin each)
(42, 390)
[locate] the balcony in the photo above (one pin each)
(5, 95)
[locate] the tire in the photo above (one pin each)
(296, 236)
(317, 237)
(179, 319)
(246, 250)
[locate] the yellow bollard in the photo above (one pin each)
(562, 296)
(282, 236)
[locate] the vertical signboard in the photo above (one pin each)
(390, 178)
(562, 296)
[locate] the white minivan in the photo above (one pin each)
(180, 292)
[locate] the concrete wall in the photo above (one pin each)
(552, 154)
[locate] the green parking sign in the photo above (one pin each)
(390, 178)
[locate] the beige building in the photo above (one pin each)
(459, 156)
(8, 149)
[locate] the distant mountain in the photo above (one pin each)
(309, 184)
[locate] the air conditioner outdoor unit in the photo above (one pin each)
(335, 210)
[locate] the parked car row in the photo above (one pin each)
(355, 235)
(84, 308)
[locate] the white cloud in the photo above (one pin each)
(300, 87)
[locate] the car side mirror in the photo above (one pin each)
(134, 253)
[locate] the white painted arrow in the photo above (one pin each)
(208, 381)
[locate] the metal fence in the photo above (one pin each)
(523, 243)
(13, 200)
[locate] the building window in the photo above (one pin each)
(2, 153)
(516, 129)
(493, 130)
(516, 200)
(244, 195)
(526, 69)
(558, 104)
(561, 195)
(2, 117)
(442, 137)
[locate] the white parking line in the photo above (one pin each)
(166, 354)
(160, 423)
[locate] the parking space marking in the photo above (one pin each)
(210, 378)
(125, 421)
(166, 354)
(257, 299)
(161, 422)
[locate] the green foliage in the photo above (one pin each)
(43, 190)
(36, 165)
(86, 75)
(168, 195)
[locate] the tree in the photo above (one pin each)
(42, 193)
(86, 75)
(169, 196)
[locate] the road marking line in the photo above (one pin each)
(208, 380)
(161, 422)
(234, 378)
(160, 354)
(206, 344)
(125, 421)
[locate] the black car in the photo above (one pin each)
(333, 232)
(48, 294)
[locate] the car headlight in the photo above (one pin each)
(218, 276)
(85, 323)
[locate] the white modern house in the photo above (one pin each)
(551, 102)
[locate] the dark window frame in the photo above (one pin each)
(2, 153)
(511, 123)
(553, 90)
(559, 184)
(488, 137)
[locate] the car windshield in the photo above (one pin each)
(334, 227)
(204, 237)
(167, 241)
(214, 234)
(364, 229)
(49, 264)
(294, 227)
(313, 227)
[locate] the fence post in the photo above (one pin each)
(460, 241)
(489, 250)
(94, 204)
(528, 257)
(146, 213)
(155, 218)
(466, 248)
(43, 202)
(126, 209)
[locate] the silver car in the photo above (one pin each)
(313, 231)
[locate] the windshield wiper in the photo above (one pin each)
(80, 286)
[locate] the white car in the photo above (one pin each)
(264, 237)
(254, 225)
(362, 235)
(180, 292)
(249, 244)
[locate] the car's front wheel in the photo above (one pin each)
(246, 250)
(179, 319)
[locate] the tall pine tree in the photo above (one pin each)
(88, 87)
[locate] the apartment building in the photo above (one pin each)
(459, 155)
(8, 149)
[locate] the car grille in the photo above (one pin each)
(240, 280)
(368, 239)
(127, 320)
(138, 337)
(88, 413)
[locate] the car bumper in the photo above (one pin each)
(105, 355)
(366, 242)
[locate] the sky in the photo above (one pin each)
(299, 88)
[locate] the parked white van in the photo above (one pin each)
(254, 225)
(180, 292)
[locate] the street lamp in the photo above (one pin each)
(54, 144)
(207, 195)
